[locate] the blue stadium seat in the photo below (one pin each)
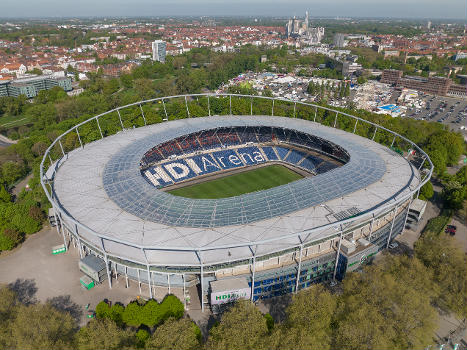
(326, 166)
(294, 157)
(317, 161)
(282, 152)
(251, 155)
(228, 137)
(209, 140)
(308, 164)
(206, 163)
(248, 135)
(269, 152)
(227, 159)
(178, 170)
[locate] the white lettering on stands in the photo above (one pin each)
(220, 161)
(258, 156)
(207, 162)
(171, 168)
(234, 160)
(242, 156)
(191, 163)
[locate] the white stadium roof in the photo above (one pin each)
(131, 227)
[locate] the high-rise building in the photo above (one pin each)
(298, 29)
(339, 40)
(159, 51)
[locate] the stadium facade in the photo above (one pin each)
(110, 197)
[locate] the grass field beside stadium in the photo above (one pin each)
(241, 183)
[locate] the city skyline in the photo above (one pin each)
(450, 9)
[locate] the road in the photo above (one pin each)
(20, 185)
(5, 141)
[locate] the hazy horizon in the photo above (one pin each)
(398, 9)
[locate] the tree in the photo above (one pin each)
(10, 238)
(426, 192)
(41, 326)
(39, 148)
(141, 337)
(171, 306)
(242, 327)
(4, 195)
(379, 309)
(102, 310)
(454, 194)
(449, 265)
(308, 324)
(103, 334)
(8, 309)
(116, 313)
(180, 334)
(151, 313)
(12, 171)
(131, 315)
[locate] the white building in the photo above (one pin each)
(159, 51)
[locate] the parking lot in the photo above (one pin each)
(447, 110)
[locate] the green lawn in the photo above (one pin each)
(13, 121)
(237, 184)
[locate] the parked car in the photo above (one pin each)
(451, 229)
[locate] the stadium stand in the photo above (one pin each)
(227, 148)
(294, 157)
(282, 152)
(270, 153)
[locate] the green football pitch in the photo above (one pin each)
(237, 184)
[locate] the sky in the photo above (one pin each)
(456, 9)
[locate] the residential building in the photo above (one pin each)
(159, 51)
(30, 87)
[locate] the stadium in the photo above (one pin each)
(242, 205)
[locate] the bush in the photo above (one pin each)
(102, 310)
(141, 336)
(171, 306)
(151, 313)
(116, 313)
(132, 314)
(269, 321)
(9, 239)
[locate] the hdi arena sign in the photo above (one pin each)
(230, 296)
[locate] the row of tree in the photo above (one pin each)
(331, 90)
(391, 304)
